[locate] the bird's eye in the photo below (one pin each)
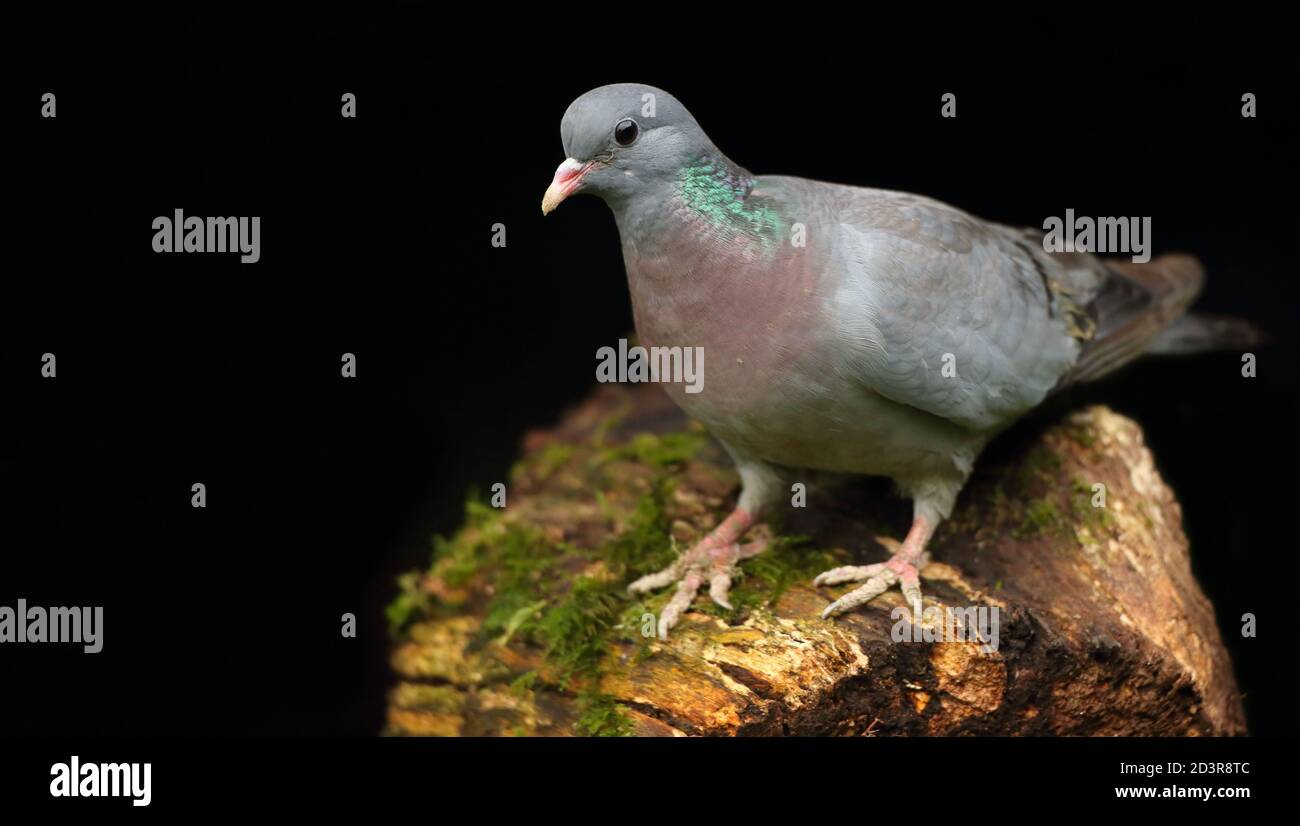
(626, 131)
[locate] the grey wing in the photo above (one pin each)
(962, 318)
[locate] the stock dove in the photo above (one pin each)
(848, 329)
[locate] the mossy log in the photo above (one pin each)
(522, 625)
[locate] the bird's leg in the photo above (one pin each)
(714, 558)
(903, 569)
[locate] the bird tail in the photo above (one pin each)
(1142, 309)
(1200, 333)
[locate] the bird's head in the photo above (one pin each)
(623, 139)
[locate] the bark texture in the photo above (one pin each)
(1102, 628)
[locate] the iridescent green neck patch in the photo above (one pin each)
(721, 196)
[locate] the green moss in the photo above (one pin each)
(1100, 517)
(543, 463)
(1083, 509)
(1042, 516)
(523, 566)
(1083, 435)
(658, 450)
(523, 684)
(576, 628)
(601, 716)
(478, 513)
(455, 562)
(1045, 516)
(409, 603)
(643, 546)
(517, 618)
(572, 603)
(532, 598)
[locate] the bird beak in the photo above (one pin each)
(568, 177)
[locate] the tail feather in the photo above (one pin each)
(1200, 333)
(1134, 305)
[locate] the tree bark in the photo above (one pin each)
(1102, 628)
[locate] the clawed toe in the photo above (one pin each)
(659, 579)
(709, 561)
(680, 602)
(899, 570)
(847, 573)
(720, 587)
(864, 593)
(902, 569)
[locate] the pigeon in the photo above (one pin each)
(848, 329)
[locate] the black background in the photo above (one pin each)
(376, 234)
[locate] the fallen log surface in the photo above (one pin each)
(522, 624)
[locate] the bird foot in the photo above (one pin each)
(712, 560)
(902, 569)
